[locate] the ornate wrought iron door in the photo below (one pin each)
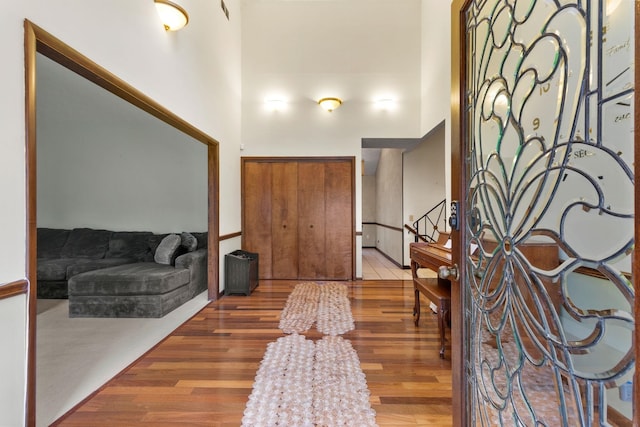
(547, 292)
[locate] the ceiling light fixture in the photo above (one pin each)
(172, 15)
(275, 104)
(330, 104)
(386, 103)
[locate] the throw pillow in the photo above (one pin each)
(202, 239)
(167, 249)
(189, 241)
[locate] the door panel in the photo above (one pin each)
(339, 220)
(284, 226)
(298, 215)
(546, 163)
(257, 214)
(311, 226)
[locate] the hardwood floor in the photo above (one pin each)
(202, 374)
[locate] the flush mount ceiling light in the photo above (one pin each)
(172, 15)
(330, 104)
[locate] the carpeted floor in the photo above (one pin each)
(75, 356)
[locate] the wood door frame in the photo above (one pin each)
(458, 129)
(38, 40)
(326, 159)
(636, 254)
(458, 62)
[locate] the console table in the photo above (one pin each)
(438, 291)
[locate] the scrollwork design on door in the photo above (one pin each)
(550, 149)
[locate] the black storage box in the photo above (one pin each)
(240, 272)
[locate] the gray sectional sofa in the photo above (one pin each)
(120, 274)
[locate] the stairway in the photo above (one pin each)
(426, 228)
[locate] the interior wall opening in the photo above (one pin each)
(38, 43)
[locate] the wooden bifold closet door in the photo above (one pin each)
(298, 215)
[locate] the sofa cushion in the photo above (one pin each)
(141, 278)
(86, 243)
(56, 269)
(166, 251)
(96, 264)
(130, 244)
(51, 241)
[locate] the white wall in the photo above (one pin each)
(436, 75)
(424, 181)
(13, 311)
(356, 50)
(12, 357)
(104, 163)
(194, 73)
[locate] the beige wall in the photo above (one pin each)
(200, 74)
(424, 180)
(357, 50)
(436, 75)
(389, 204)
(104, 163)
(369, 211)
(408, 183)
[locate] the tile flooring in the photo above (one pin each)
(376, 266)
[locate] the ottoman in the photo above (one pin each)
(142, 289)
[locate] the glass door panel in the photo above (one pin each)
(548, 234)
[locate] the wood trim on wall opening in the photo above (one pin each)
(230, 236)
(38, 40)
(13, 289)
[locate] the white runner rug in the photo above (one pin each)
(302, 383)
(325, 304)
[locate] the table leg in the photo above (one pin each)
(416, 306)
(441, 320)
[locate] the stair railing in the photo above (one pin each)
(426, 227)
(414, 232)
